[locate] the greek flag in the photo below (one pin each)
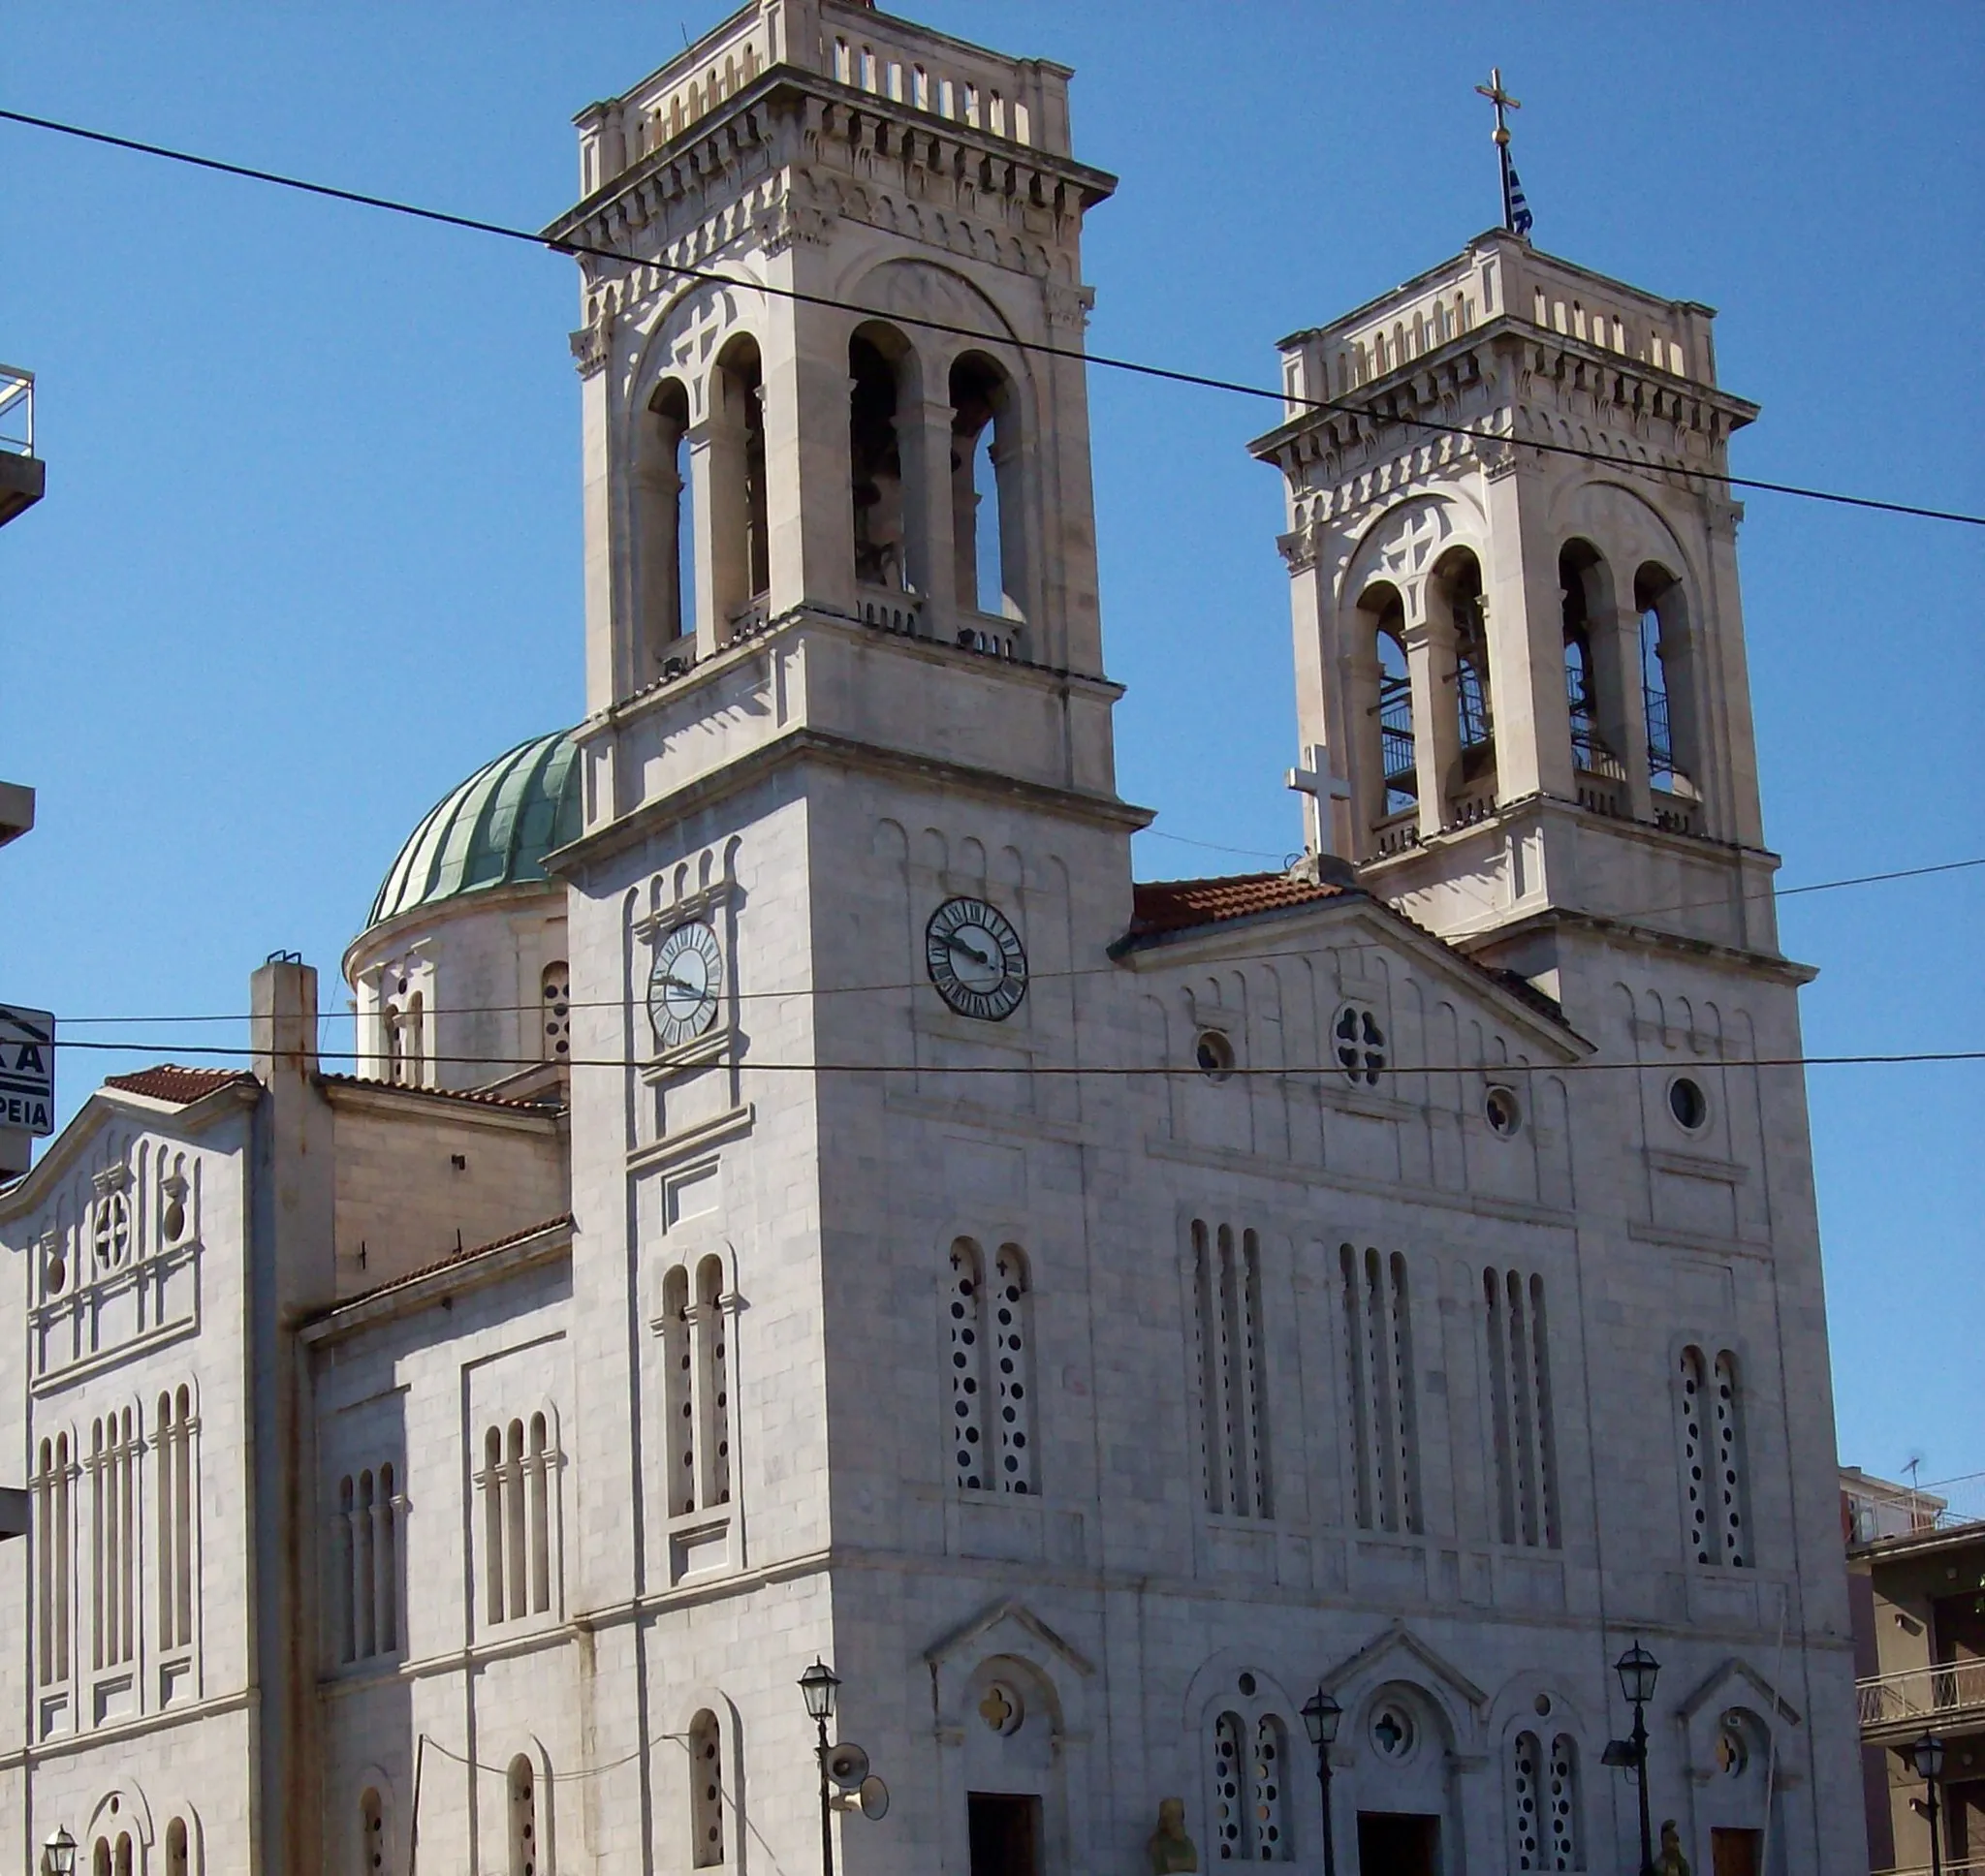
(1519, 216)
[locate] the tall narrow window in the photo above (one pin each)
(1011, 1355)
(1520, 1383)
(53, 1529)
(1396, 752)
(495, 1580)
(713, 1382)
(1732, 1536)
(679, 1393)
(1270, 1809)
(1381, 1423)
(371, 1832)
(515, 1556)
(706, 1792)
(1666, 674)
(740, 548)
(1591, 687)
(1230, 1794)
(987, 512)
(665, 540)
(364, 1569)
(554, 1009)
(121, 1862)
(970, 1466)
(179, 1848)
(1563, 1816)
(876, 464)
(1232, 1428)
(523, 1817)
(343, 1582)
(539, 1465)
(1545, 1804)
(385, 1565)
(364, 1565)
(115, 1440)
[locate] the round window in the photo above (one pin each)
(1502, 1112)
(1689, 1104)
(1215, 1055)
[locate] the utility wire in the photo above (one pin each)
(1039, 975)
(1165, 374)
(1131, 1071)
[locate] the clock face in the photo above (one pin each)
(685, 985)
(976, 959)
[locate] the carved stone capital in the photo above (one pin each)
(1068, 307)
(592, 347)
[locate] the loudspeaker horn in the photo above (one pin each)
(847, 1765)
(874, 1798)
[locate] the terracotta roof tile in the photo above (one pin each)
(182, 1086)
(480, 1099)
(467, 1255)
(1159, 906)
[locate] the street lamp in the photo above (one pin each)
(1321, 1718)
(1927, 1756)
(58, 1855)
(818, 1686)
(1637, 1669)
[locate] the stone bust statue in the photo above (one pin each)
(1170, 1848)
(1671, 1862)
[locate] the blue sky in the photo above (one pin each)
(310, 550)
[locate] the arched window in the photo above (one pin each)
(523, 1784)
(1471, 784)
(1520, 1383)
(343, 1580)
(364, 1568)
(539, 1465)
(988, 520)
(1249, 1781)
(1714, 1488)
(1397, 759)
(495, 1527)
(515, 1554)
(371, 1832)
(679, 1393)
(122, 1860)
(366, 1640)
(740, 548)
(991, 1413)
(178, 1848)
(967, 1424)
(1382, 1421)
(385, 1565)
(1590, 680)
(713, 1382)
(1545, 1804)
(115, 1439)
(53, 1537)
(1228, 1335)
(666, 537)
(1667, 681)
(876, 461)
(554, 1004)
(403, 1031)
(706, 1792)
(100, 1858)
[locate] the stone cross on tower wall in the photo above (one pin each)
(1318, 779)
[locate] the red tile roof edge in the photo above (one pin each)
(182, 1086)
(1162, 906)
(467, 1255)
(328, 1078)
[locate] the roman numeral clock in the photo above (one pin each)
(976, 959)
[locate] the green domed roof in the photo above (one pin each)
(494, 831)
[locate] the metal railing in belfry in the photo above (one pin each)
(16, 411)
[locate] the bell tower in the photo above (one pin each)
(1518, 637)
(832, 394)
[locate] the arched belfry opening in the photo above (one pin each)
(1459, 617)
(1667, 676)
(1388, 782)
(1595, 697)
(987, 518)
(878, 381)
(740, 558)
(665, 524)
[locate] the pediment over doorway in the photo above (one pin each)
(1379, 1658)
(1008, 1627)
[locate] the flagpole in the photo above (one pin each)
(1508, 201)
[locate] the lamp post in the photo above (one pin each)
(1927, 1756)
(1637, 1669)
(58, 1855)
(1321, 1717)
(818, 1686)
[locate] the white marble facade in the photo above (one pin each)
(1389, 1277)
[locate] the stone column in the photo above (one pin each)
(1621, 703)
(1526, 638)
(1436, 742)
(924, 438)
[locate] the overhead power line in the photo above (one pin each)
(1165, 374)
(1134, 1070)
(1036, 976)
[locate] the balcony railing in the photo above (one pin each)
(1912, 1697)
(16, 411)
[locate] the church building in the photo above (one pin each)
(804, 1199)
